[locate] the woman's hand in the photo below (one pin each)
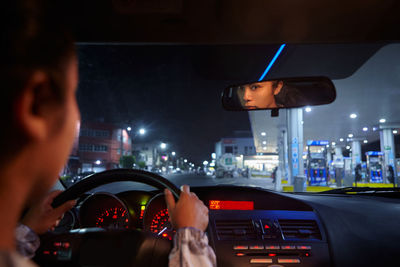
(189, 211)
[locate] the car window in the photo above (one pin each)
(158, 108)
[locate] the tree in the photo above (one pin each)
(127, 162)
(141, 164)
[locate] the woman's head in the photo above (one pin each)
(261, 95)
(39, 78)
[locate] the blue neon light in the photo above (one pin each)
(272, 61)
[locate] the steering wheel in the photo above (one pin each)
(100, 247)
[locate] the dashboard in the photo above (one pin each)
(257, 230)
(255, 227)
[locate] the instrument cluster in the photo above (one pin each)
(127, 210)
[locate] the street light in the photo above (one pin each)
(129, 129)
(205, 163)
(97, 162)
(185, 160)
(173, 153)
(142, 131)
(163, 145)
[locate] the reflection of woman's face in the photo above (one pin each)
(259, 95)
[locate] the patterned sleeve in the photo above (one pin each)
(191, 249)
(27, 241)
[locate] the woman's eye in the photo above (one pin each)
(254, 87)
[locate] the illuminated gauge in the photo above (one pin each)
(113, 218)
(160, 221)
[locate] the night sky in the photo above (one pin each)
(171, 91)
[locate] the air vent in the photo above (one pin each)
(235, 230)
(300, 229)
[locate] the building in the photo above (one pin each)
(152, 154)
(101, 146)
(239, 144)
(242, 146)
(146, 152)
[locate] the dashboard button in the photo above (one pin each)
(288, 261)
(257, 247)
(267, 226)
(304, 247)
(272, 247)
(240, 254)
(260, 260)
(287, 247)
(240, 247)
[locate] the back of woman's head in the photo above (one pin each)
(34, 36)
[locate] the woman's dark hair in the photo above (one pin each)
(290, 96)
(34, 36)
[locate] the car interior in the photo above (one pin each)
(121, 218)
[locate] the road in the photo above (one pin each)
(197, 180)
(192, 180)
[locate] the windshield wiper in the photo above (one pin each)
(353, 189)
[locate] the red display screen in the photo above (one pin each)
(231, 205)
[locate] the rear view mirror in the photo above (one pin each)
(279, 93)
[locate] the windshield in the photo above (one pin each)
(158, 108)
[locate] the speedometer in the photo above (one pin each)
(113, 218)
(156, 218)
(160, 221)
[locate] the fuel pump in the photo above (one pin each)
(374, 166)
(317, 162)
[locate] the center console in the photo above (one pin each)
(268, 238)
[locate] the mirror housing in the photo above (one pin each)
(279, 94)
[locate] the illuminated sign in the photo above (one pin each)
(317, 142)
(374, 153)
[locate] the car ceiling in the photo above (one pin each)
(234, 21)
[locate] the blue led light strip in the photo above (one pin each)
(272, 62)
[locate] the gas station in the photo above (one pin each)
(320, 148)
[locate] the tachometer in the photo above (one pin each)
(106, 211)
(113, 218)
